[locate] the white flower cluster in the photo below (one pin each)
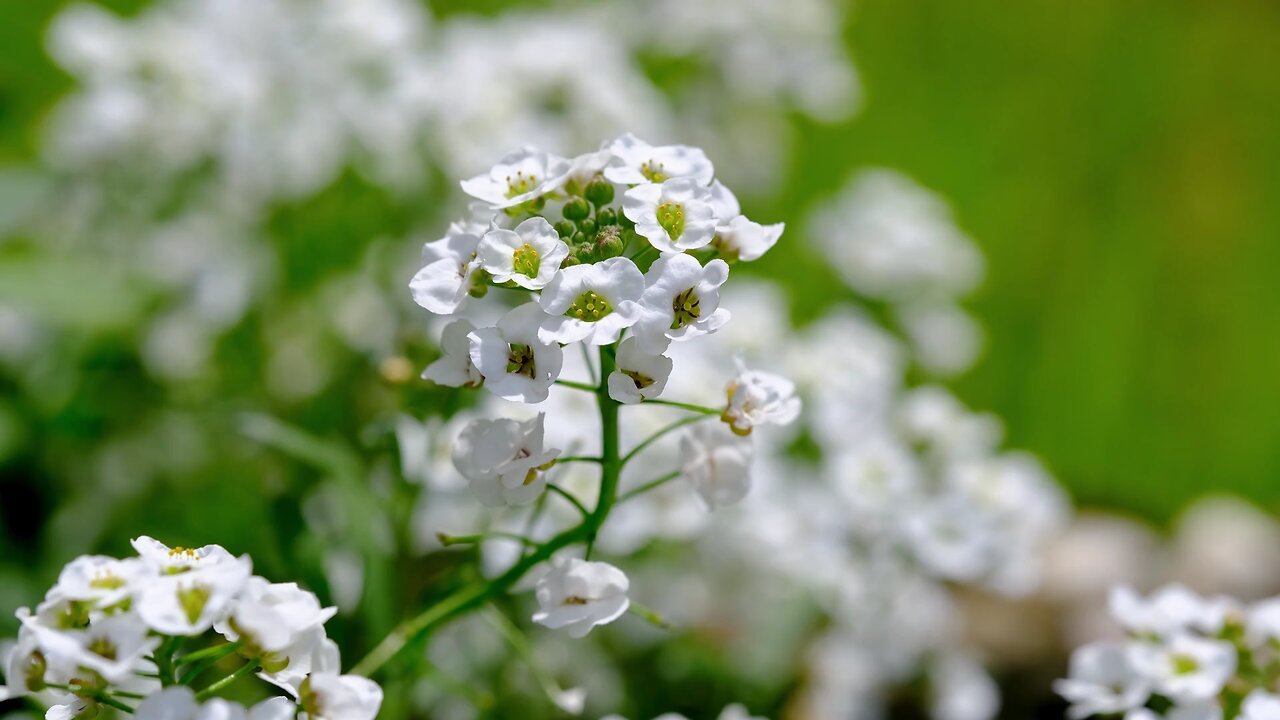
(896, 242)
(110, 630)
(624, 249)
(1186, 657)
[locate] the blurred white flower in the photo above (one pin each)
(114, 647)
(271, 616)
(517, 363)
(179, 703)
(1260, 705)
(592, 303)
(578, 595)
(1185, 668)
(674, 216)
(195, 589)
(1102, 681)
(717, 463)
(330, 696)
(528, 256)
(448, 273)
(454, 368)
(738, 238)
(102, 581)
(640, 375)
(1169, 611)
(504, 459)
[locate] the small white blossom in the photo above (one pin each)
(1102, 681)
(100, 580)
(520, 177)
(312, 651)
(179, 703)
(503, 459)
(26, 669)
(1185, 668)
(681, 301)
(635, 162)
(517, 363)
(1260, 705)
(454, 367)
(272, 616)
(194, 590)
(528, 256)
(578, 595)
(738, 238)
(329, 696)
(757, 397)
(674, 216)
(592, 303)
(717, 463)
(1171, 610)
(114, 647)
(640, 375)
(447, 274)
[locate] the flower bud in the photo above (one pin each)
(588, 227)
(569, 261)
(578, 239)
(576, 209)
(564, 228)
(585, 254)
(606, 217)
(600, 192)
(480, 284)
(609, 242)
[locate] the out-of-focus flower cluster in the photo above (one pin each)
(114, 631)
(1186, 656)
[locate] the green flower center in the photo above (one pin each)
(520, 183)
(1184, 664)
(654, 171)
(687, 309)
(520, 361)
(525, 260)
(671, 218)
(75, 615)
(589, 307)
(193, 600)
(33, 673)
(102, 647)
(575, 600)
(641, 380)
(106, 582)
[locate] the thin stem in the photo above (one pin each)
(518, 642)
(246, 669)
(648, 616)
(577, 385)
(686, 406)
(112, 702)
(655, 483)
(215, 652)
(577, 458)
(572, 500)
(591, 368)
(448, 540)
(660, 434)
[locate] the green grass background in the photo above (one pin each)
(1119, 165)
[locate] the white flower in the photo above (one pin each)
(447, 274)
(503, 459)
(635, 162)
(525, 175)
(592, 303)
(312, 651)
(101, 581)
(329, 696)
(454, 368)
(517, 362)
(192, 598)
(640, 375)
(114, 647)
(757, 397)
(578, 595)
(1186, 668)
(674, 216)
(717, 463)
(272, 616)
(738, 238)
(1170, 610)
(173, 561)
(1201, 710)
(681, 301)
(1102, 681)
(529, 256)
(1260, 705)
(26, 668)
(179, 703)
(77, 709)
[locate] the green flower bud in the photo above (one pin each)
(588, 227)
(480, 284)
(609, 242)
(585, 255)
(576, 209)
(606, 217)
(569, 261)
(600, 192)
(565, 228)
(579, 238)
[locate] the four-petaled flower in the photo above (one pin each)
(528, 256)
(578, 595)
(592, 303)
(681, 302)
(673, 216)
(516, 362)
(757, 397)
(523, 176)
(504, 460)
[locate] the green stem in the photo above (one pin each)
(216, 652)
(648, 616)
(577, 385)
(572, 500)
(470, 597)
(660, 434)
(686, 406)
(246, 669)
(577, 458)
(448, 540)
(655, 483)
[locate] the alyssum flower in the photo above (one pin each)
(681, 301)
(640, 375)
(515, 359)
(633, 161)
(504, 459)
(674, 216)
(528, 256)
(578, 595)
(592, 303)
(757, 397)
(521, 177)
(448, 272)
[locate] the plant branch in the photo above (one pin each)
(246, 669)
(577, 385)
(686, 406)
(572, 500)
(655, 483)
(660, 434)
